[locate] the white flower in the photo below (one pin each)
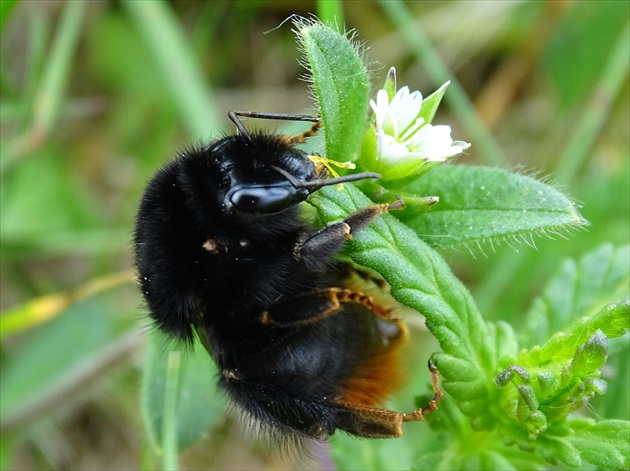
(403, 136)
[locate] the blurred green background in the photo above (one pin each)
(96, 95)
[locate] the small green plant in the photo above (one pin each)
(514, 394)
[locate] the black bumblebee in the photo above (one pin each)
(223, 249)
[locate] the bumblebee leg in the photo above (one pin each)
(270, 404)
(292, 139)
(317, 249)
(432, 405)
(313, 307)
(369, 422)
(350, 271)
(372, 422)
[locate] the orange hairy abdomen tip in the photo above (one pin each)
(379, 376)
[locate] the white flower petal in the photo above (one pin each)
(399, 107)
(412, 130)
(393, 151)
(381, 106)
(402, 135)
(461, 144)
(407, 112)
(400, 97)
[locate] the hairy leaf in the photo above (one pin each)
(479, 204)
(604, 443)
(341, 84)
(599, 278)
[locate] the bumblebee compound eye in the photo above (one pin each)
(265, 199)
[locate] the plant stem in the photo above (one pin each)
(169, 431)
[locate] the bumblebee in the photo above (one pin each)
(224, 252)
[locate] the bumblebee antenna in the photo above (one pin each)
(233, 115)
(317, 184)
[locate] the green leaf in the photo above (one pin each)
(465, 457)
(390, 83)
(367, 157)
(430, 104)
(604, 443)
(613, 321)
(480, 204)
(549, 382)
(403, 169)
(341, 84)
(421, 279)
(199, 405)
(53, 355)
(330, 11)
(506, 344)
(564, 372)
(591, 356)
(599, 278)
(556, 450)
(49, 100)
